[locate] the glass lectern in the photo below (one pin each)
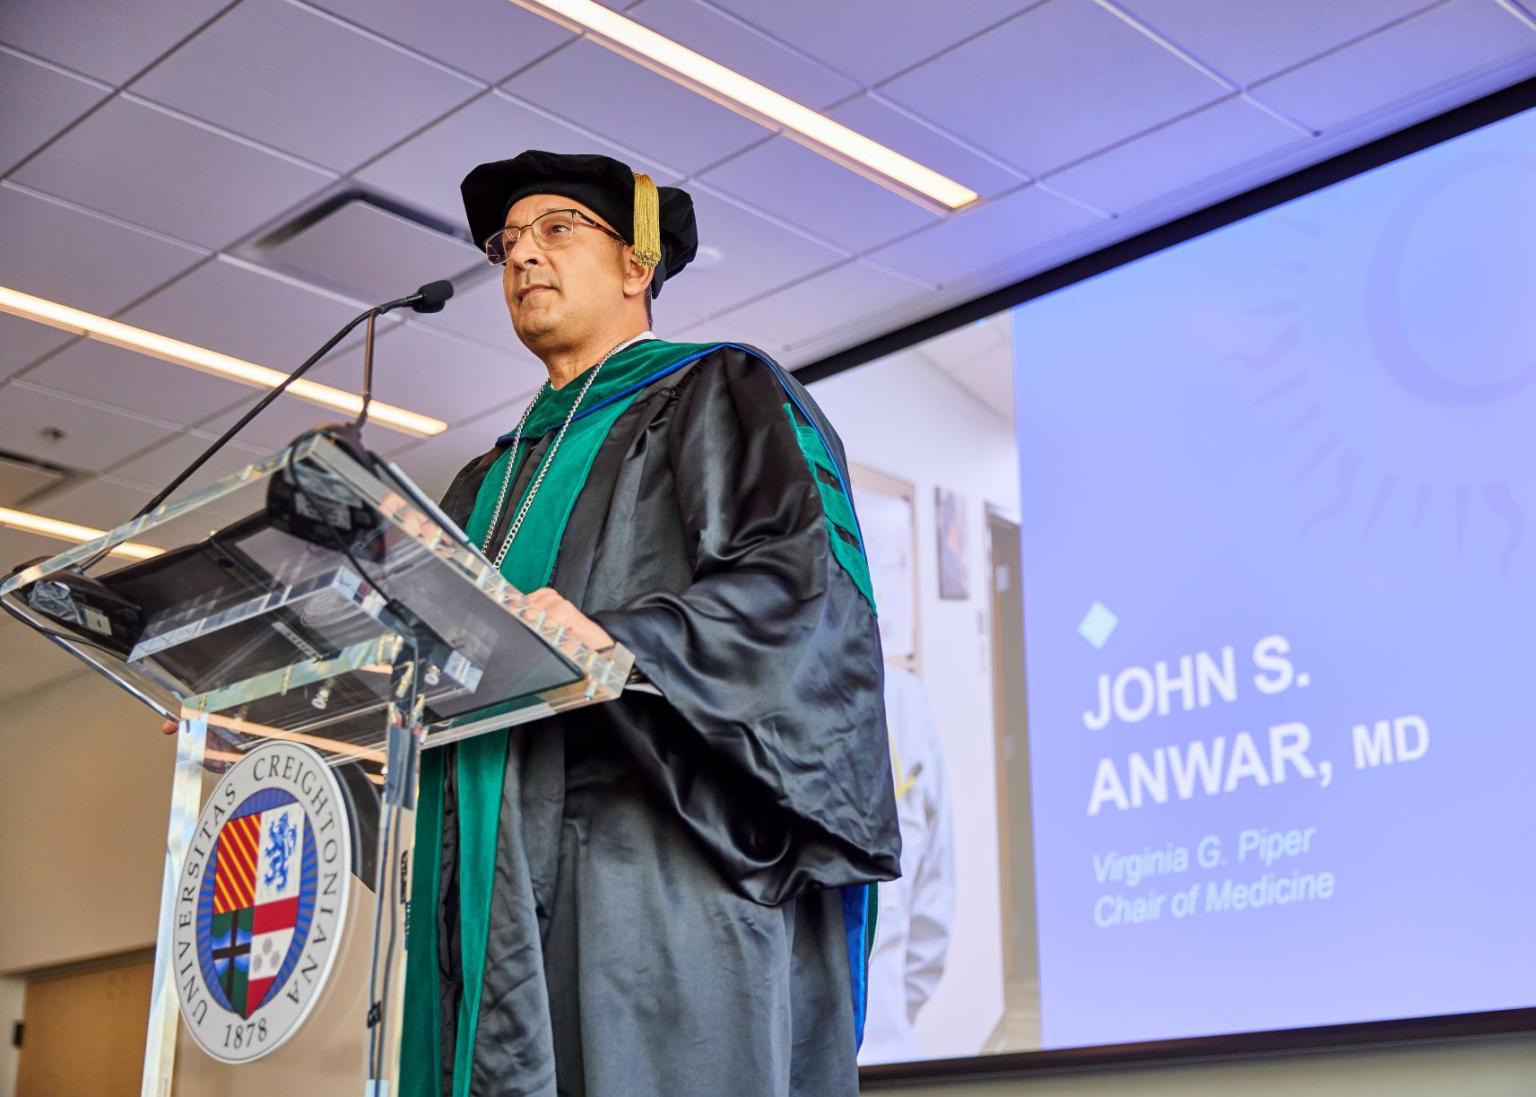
(330, 626)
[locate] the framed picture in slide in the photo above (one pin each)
(954, 574)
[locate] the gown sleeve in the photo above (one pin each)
(771, 655)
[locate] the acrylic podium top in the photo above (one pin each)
(325, 584)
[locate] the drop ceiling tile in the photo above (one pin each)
(610, 95)
(870, 40)
(92, 438)
(490, 39)
(1194, 150)
(136, 162)
(884, 123)
(53, 100)
(136, 382)
(77, 259)
(755, 55)
(189, 528)
(720, 330)
(427, 169)
(979, 239)
(478, 310)
(437, 375)
(288, 417)
(819, 306)
(1053, 85)
(433, 463)
(742, 255)
(103, 503)
(229, 307)
(367, 252)
(23, 342)
(1407, 60)
(278, 424)
(1257, 40)
(303, 83)
(112, 40)
(831, 202)
(156, 467)
(22, 480)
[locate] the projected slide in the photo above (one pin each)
(1278, 491)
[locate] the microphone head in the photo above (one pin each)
(432, 296)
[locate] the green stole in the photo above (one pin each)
(482, 761)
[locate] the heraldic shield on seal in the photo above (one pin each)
(262, 902)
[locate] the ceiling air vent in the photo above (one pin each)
(23, 479)
(358, 244)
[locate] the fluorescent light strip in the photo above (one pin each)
(195, 357)
(69, 531)
(694, 70)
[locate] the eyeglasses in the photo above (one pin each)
(551, 229)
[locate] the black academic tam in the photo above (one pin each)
(602, 184)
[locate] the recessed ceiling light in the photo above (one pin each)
(762, 104)
(69, 531)
(195, 357)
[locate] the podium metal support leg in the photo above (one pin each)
(164, 1012)
(397, 840)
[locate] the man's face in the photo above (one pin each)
(561, 295)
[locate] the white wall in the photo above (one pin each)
(84, 803)
(903, 417)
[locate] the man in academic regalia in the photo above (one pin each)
(669, 895)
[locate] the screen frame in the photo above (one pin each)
(1432, 131)
(1238, 1045)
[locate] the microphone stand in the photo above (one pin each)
(276, 391)
(362, 414)
(429, 298)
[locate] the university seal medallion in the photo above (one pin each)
(262, 902)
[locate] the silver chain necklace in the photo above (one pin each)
(506, 479)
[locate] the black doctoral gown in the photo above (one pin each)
(676, 875)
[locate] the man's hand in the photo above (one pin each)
(578, 626)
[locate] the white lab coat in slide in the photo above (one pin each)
(916, 911)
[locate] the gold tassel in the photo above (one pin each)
(647, 221)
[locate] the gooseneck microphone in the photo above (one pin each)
(125, 615)
(429, 298)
